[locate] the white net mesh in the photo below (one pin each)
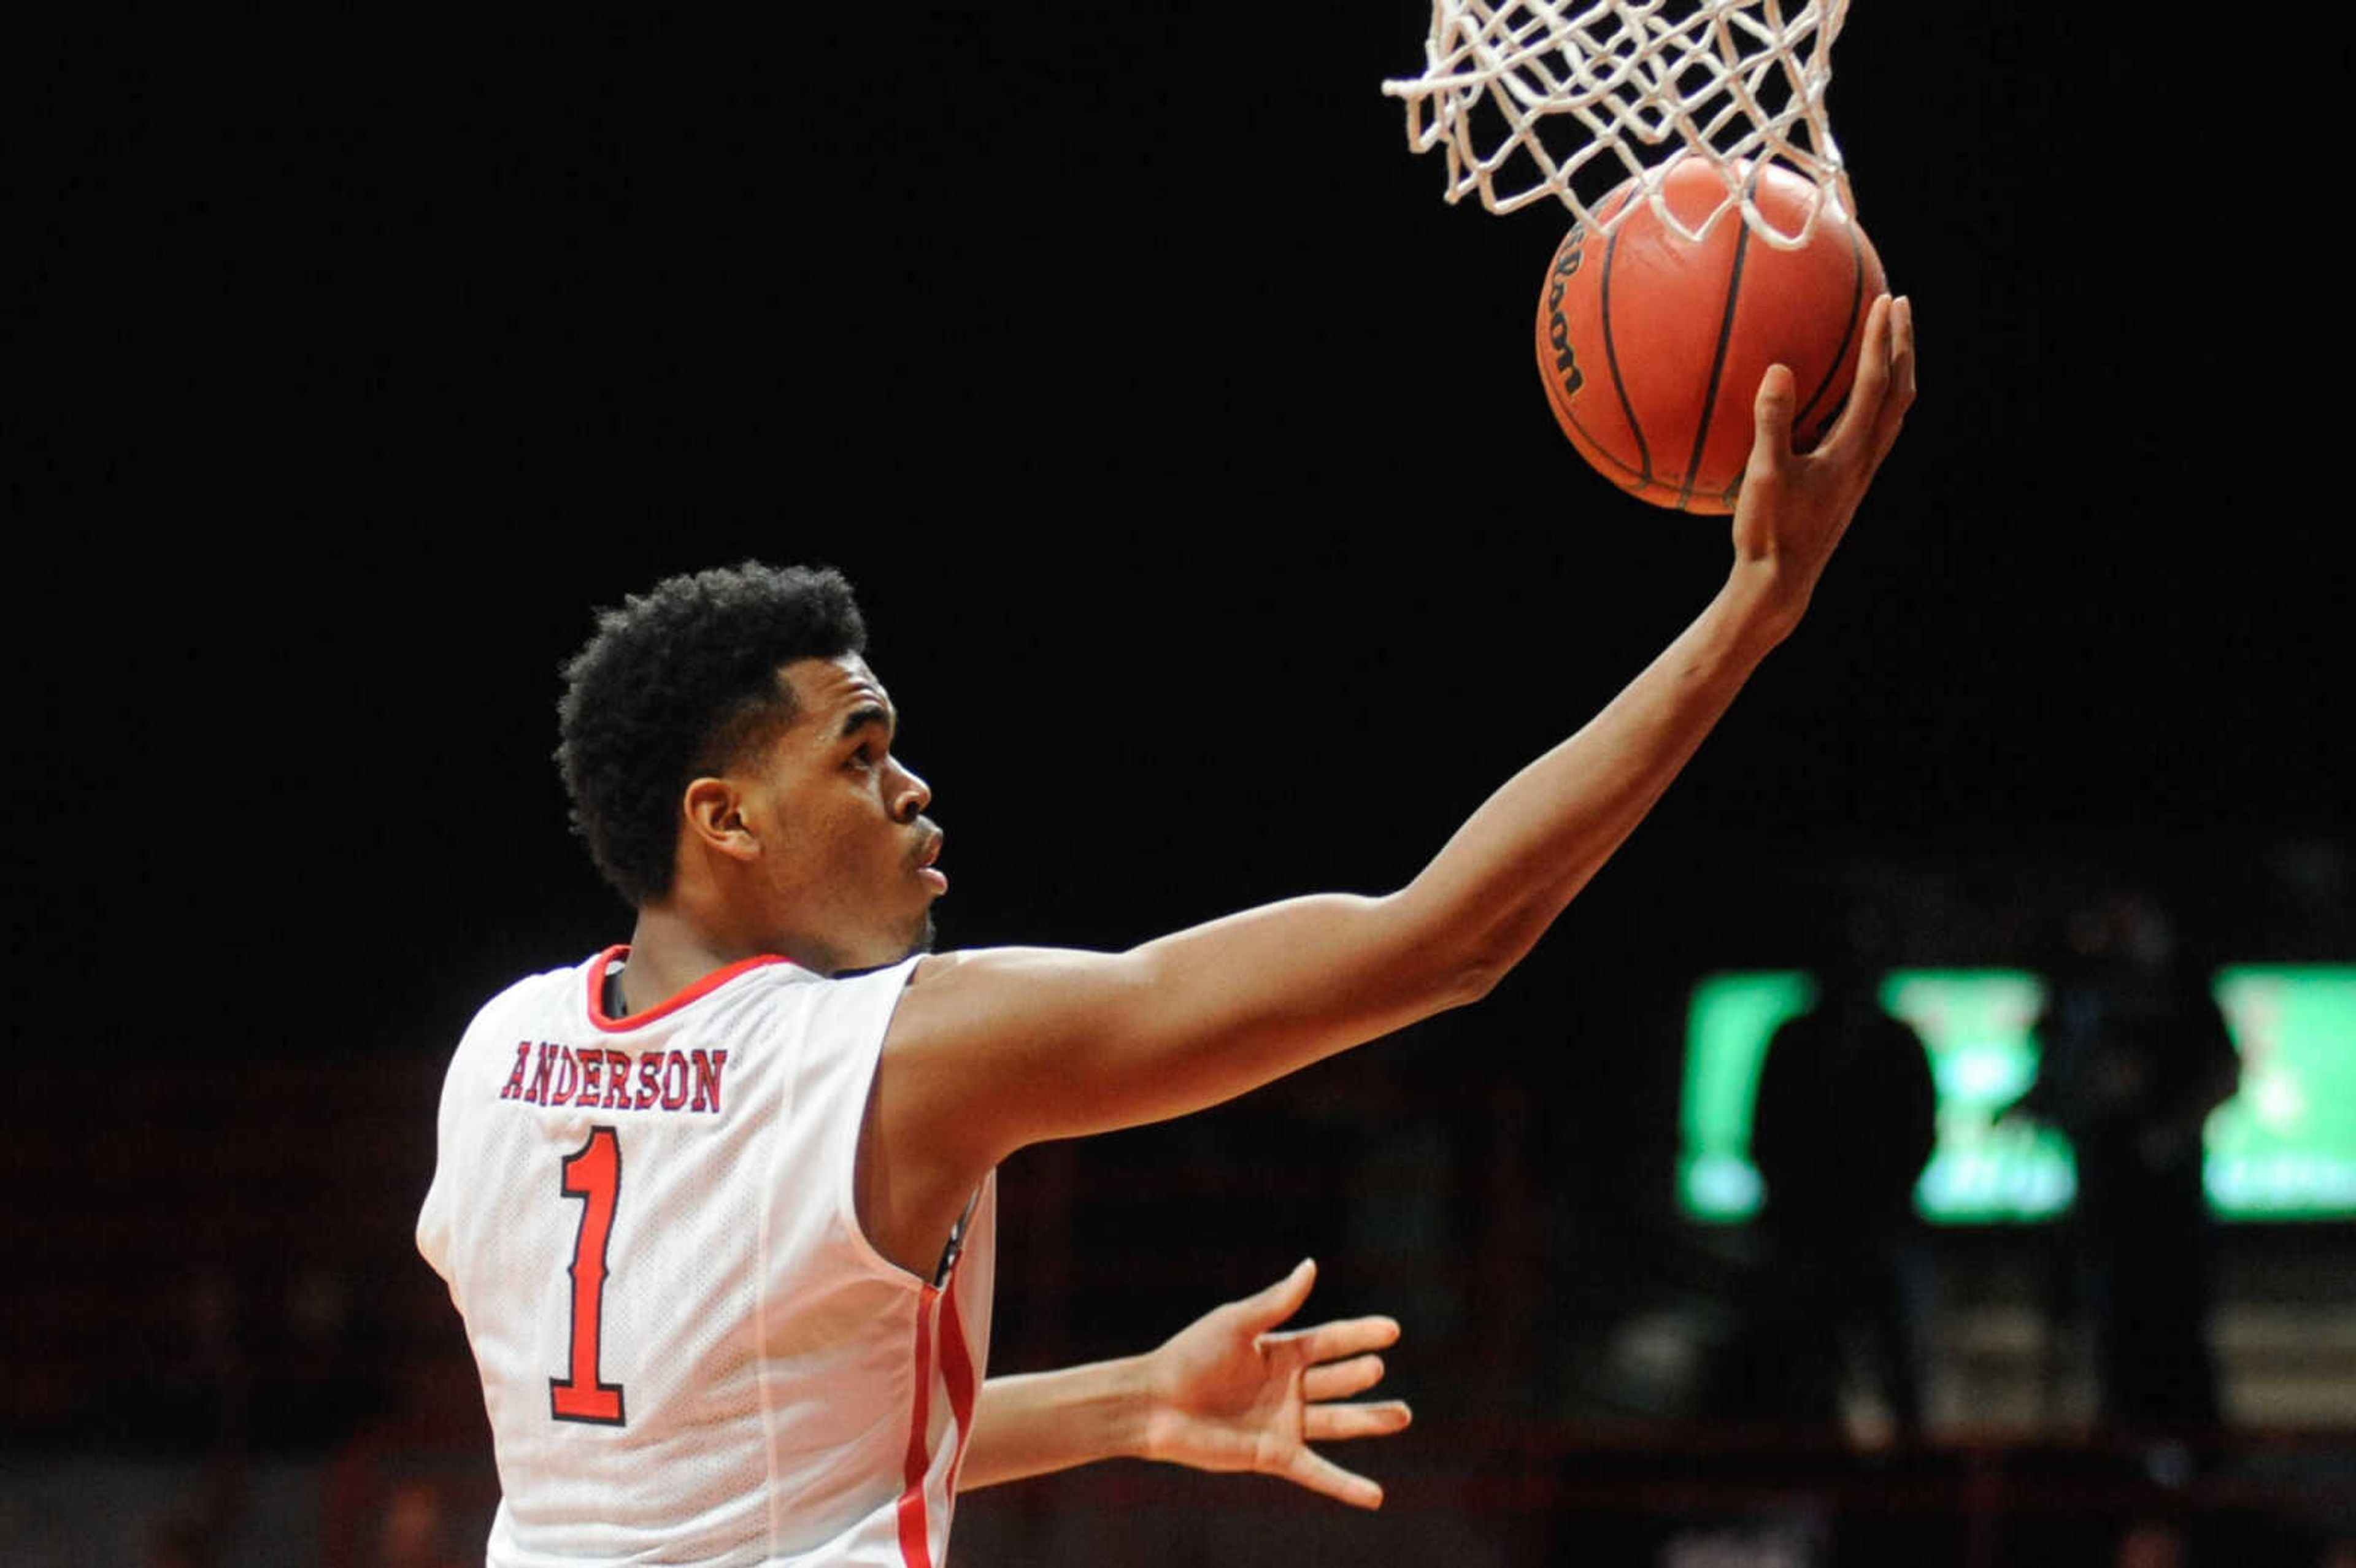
(1571, 98)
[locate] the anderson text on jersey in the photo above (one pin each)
(547, 1074)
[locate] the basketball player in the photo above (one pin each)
(717, 1206)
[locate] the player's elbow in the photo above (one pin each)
(1486, 953)
(1467, 940)
(1482, 976)
(1469, 976)
(1426, 959)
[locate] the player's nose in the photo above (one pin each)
(910, 793)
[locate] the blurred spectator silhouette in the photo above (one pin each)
(2134, 1054)
(1845, 1120)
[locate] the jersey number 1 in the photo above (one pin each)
(593, 1174)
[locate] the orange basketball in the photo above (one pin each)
(1652, 345)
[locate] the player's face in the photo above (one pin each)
(847, 857)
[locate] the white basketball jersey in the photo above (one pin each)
(688, 1349)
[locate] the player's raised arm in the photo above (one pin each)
(995, 1048)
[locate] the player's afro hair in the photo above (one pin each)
(673, 686)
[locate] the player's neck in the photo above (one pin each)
(669, 953)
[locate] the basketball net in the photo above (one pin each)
(1571, 98)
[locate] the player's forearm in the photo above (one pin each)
(1505, 875)
(1041, 1421)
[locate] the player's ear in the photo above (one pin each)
(715, 817)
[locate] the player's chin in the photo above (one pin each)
(883, 946)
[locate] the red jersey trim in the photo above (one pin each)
(916, 1534)
(940, 1334)
(620, 951)
(956, 1367)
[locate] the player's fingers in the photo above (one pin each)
(1340, 1422)
(1332, 1341)
(1902, 374)
(1266, 1308)
(1770, 438)
(1890, 393)
(1340, 1380)
(1319, 1474)
(1868, 394)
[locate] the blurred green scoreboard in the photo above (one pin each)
(2283, 1148)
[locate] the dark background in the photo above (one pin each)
(1216, 542)
(1185, 446)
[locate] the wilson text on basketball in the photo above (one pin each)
(1566, 262)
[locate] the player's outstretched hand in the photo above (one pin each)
(1232, 1393)
(1795, 506)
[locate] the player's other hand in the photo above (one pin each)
(1795, 506)
(1230, 1392)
